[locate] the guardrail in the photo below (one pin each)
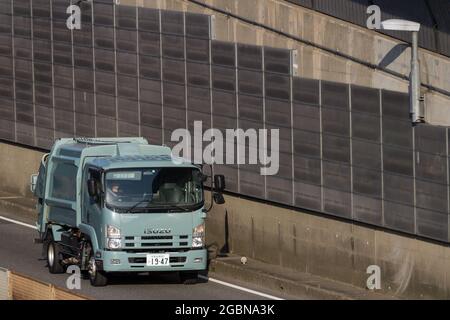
(15, 286)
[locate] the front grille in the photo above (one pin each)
(156, 242)
(144, 260)
(156, 238)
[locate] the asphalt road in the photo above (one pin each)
(20, 254)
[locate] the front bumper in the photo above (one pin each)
(136, 262)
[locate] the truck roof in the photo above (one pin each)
(115, 153)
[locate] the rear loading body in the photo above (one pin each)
(120, 205)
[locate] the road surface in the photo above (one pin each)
(20, 254)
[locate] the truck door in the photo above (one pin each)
(90, 207)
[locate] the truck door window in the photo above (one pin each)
(64, 181)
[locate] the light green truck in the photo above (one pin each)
(122, 205)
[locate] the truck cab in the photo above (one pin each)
(122, 205)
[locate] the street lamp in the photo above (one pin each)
(415, 97)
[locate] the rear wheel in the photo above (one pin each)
(53, 257)
(96, 277)
(189, 277)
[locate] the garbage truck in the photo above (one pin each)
(121, 205)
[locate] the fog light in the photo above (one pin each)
(198, 260)
(98, 254)
(115, 261)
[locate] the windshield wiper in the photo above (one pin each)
(138, 204)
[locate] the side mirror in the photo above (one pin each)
(92, 187)
(33, 182)
(218, 198)
(219, 182)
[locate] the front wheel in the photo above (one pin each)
(53, 257)
(96, 277)
(189, 277)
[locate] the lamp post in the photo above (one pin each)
(414, 79)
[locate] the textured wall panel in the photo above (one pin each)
(198, 74)
(249, 57)
(336, 122)
(399, 217)
(335, 95)
(126, 40)
(366, 126)
(336, 148)
(307, 170)
(126, 17)
(197, 25)
(307, 196)
(431, 139)
(366, 154)
(432, 224)
(277, 60)
(223, 53)
(307, 143)
(250, 82)
(173, 46)
(337, 203)
(223, 78)
(148, 19)
(367, 210)
(395, 104)
(172, 22)
(150, 67)
(63, 76)
(277, 86)
(306, 117)
(306, 90)
(365, 100)
(431, 167)
(398, 160)
(149, 43)
(399, 188)
(336, 176)
(397, 133)
(367, 182)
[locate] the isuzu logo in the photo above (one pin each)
(157, 231)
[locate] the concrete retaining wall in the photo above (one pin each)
(16, 166)
(329, 32)
(410, 268)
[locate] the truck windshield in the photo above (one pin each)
(154, 188)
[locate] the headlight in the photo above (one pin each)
(112, 232)
(114, 243)
(198, 236)
(113, 235)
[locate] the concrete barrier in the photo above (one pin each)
(4, 285)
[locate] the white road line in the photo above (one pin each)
(6, 198)
(200, 276)
(18, 222)
(241, 288)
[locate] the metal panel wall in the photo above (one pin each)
(344, 150)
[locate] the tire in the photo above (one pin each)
(189, 277)
(53, 257)
(96, 277)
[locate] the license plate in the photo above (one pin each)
(156, 260)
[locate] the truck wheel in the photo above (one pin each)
(53, 260)
(96, 277)
(188, 278)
